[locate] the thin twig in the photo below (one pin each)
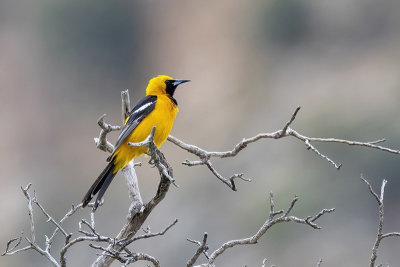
(201, 249)
(284, 129)
(147, 235)
(66, 216)
(379, 236)
(30, 211)
(49, 218)
(312, 148)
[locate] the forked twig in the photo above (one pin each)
(379, 236)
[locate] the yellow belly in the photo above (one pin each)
(162, 117)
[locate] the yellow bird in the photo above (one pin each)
(158, 109)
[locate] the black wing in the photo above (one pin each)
(137, 114)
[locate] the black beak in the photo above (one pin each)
(175, 83)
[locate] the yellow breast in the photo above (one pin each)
(162, 117)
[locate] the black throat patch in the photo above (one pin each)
(170, 90)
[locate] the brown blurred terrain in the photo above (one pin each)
(64, 63)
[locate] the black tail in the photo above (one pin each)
(100, 185)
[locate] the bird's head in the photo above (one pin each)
(163, 84)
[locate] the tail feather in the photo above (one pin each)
(99, 186)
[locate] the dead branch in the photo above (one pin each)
(92, 235)
(32, 240)
(272, 220)
(124, 255)
(101, 141)
(202, 249)
(379, 236)
(148, 234)
(127, 257)
(205, 156)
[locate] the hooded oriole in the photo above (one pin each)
(158, 109)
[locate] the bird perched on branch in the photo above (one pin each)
(158, 108)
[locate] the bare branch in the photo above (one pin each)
(272, 212)
(379, 236)
(79, 239)
(382, 191)
(49, 218)
(13, 244)
(284, 129)
(201, 249)
(312, 148)
(147, 235)
(92, 222)
(30, 211)
(391, 234)
(66, 216)
(32, 241)
(15, 251)
(205, 156)
(11, 250)
(371, 190)
(117, 247)
(133, 188)
(229, 182)
(272, 220)
(370, 144)
(101, 141)
(126, 105)
(127, 257)
(88, 236)
(113, 242)
(295, 199)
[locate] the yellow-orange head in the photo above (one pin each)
(163, 84)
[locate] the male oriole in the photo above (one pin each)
(158, 109)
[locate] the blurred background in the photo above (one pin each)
(64, 63)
